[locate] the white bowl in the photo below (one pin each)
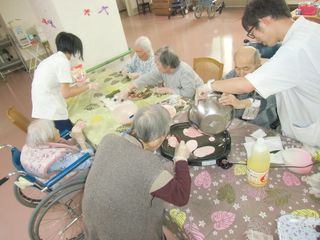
(297, 157)
(124, 112)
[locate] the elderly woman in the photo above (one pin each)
(172, 75)
(142, 60)
(127, 182)
(46, 153)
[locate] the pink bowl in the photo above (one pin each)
(297, 157)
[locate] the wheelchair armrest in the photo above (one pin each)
(67, 170)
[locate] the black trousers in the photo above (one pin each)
(64, 127)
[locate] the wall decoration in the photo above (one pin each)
(104, 9)
(48, 22)
(87, 12)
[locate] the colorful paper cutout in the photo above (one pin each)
(48, 22)
(104, 9)
(86, 12)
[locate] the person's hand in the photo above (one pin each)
(77, 134)
(202, 93)
(121, 96)
(133, 75)
(124, 72)
(230, 99)
(181, 152)
(83, 82)
(162, 90)
(94, 86)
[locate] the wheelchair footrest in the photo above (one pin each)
(23, 183)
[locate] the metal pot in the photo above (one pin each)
(210, 116)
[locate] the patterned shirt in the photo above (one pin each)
(139, 66)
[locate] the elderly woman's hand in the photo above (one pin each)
(181, 152)
(77, 134)
(133, 75)
(162, 90)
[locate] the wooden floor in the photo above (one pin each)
(190, 37)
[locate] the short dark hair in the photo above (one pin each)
(257, 9)
(167, 57)
(69, 43)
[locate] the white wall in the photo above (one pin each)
(102, 34)
(19, 9)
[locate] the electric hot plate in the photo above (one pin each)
(217, 146)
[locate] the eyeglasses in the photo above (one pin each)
(250, 32)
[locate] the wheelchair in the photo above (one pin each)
(177, 6)
(211, 6)
(57, 209)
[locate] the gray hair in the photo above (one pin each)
(167, 57)
(256, 57)
(144, 43)
(151, 122)
(40, 131)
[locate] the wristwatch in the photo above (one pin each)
(209, 84)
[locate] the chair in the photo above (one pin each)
(143, 6)
(18, 119)
(208, 68)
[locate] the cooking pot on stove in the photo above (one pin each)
(210, 116)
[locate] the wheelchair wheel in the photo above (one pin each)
(28, 197)
(198, 11)
(59, 215)
(211, 11)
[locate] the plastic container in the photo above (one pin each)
(299, 158)
(79, 74)
(307, 8)
(258, 164)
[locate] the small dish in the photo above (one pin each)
(124, 112)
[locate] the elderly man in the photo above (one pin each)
(127, 184)
(172, 76)
(143, 59)
(246, 60)
(292, 74)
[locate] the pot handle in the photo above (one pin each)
(190, 121)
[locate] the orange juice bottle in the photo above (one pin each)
(258, 164)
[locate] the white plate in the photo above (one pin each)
(292, 227)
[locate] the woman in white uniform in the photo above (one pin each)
(52, 82)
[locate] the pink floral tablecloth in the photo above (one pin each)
(223, 205)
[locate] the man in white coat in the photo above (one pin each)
(292, 74)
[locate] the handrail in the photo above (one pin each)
(110, 60)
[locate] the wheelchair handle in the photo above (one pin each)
(3, 180)
(6, 178)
